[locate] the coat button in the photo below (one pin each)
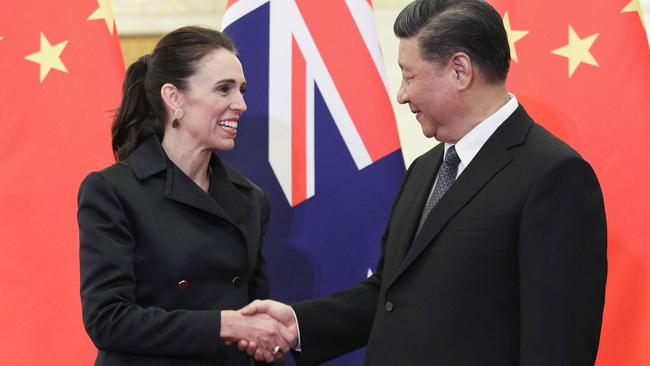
(183, 284)
(237, 282)
(389, 306)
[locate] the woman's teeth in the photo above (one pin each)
(229, 125)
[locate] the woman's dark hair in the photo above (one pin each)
(444, 27)
(176, 57)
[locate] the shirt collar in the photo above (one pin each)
(470, 144)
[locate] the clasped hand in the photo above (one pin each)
(264, 329)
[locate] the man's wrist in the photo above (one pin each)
(297, 348)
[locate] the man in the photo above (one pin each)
(495, 252)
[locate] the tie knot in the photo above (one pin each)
(452, 158)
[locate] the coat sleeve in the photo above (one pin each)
(338, 324)
(112, 318)
(562, 266)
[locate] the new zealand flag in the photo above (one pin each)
(319, 137)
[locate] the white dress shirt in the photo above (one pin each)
(470, 144)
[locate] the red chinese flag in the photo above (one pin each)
(61, 70)
(582, 69)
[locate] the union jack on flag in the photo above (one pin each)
(319, 137)
(332, 45)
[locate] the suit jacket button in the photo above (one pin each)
(183, 284)
(389, 306)
(237, 282)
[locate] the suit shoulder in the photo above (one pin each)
(542, 142)
(547, 156)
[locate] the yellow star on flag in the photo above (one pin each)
(634, 6)
(49, 57)
(105, 12)
(513, 36)
(577, 51)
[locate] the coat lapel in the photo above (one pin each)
(223, 200)
(407, 211)
(491, 159)
(227, 188)
(416, 197)
(179, 187)
(228, 198)
(225, 191)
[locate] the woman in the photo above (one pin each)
(170, 236)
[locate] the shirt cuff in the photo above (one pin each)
(297, 348)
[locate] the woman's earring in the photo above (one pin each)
(178, 114)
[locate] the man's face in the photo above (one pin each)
(429, 90)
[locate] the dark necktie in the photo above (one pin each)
(446, 177)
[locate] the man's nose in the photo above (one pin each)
(402, 97)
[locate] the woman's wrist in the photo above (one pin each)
(228, 328)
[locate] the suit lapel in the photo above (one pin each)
(416, 197)
(407, 210)
(491, 159)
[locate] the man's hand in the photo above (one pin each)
(267, 334)
(277, 310)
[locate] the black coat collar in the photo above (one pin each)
(149, 159)
(226, 197)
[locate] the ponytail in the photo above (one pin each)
(135, 119)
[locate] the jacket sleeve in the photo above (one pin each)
(112, 318)
(338, 324)
(335, 325)
(562, 266)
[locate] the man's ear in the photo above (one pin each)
(461, 69)
(171, 96)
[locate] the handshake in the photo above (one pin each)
(264, 329)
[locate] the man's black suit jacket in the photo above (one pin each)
(160, 258)
(509, 268)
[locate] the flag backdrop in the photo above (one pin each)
(582, 69)
(320, 137)
(61, 69)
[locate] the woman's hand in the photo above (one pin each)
(261, 329)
